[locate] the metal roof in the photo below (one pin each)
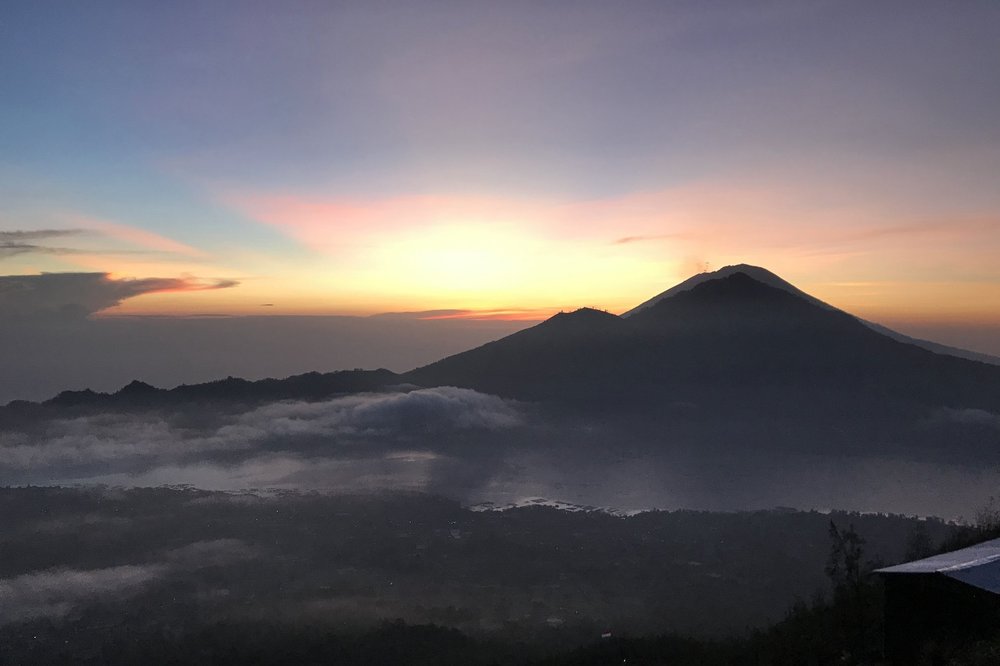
(977, 565)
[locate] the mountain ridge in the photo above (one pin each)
(613, 352)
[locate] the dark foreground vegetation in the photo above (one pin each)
(172, 576)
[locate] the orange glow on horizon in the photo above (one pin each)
(497, 315)
(488, 257)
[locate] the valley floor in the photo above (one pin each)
(104, 571)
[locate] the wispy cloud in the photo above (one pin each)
(333, 224)
(720, 215)
(135, 236)
(473, 315)
(13, 243)
(37, 234)
(102, 238)
(625, 240)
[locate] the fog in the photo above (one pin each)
(479, 449)
(55, 593)
(735, 483)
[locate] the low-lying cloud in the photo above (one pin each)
(211, 553)
(970, 417)
(357, 441)
(57, 592)
(426, 411)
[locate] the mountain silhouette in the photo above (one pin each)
(738, 355)
(731, 332)
(742, 350)
(767, 277)
(759, 274)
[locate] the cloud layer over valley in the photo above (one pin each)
(407, 438)
(480, 448)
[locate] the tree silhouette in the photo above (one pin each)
(854, 597)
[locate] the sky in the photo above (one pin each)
(498, 159)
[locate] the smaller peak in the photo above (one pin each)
(71, 398)
(746, 269)
(136, 386)
(582, 319)
(732, 268)
(583, 315)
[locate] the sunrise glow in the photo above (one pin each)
(460, 178)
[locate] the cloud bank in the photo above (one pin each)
(408, 439)
(70, 296)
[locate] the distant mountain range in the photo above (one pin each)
(738, 353)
